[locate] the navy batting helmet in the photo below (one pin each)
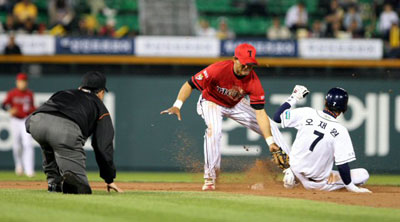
(336, 100)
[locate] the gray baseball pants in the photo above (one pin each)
(62, 144)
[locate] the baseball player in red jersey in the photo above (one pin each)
(19, 103)
(230, 89)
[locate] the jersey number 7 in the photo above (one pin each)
(319, 138)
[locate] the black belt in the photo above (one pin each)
(316, 181)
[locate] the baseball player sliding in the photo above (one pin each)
(320, 142)
(230, 89)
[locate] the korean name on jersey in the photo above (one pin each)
(320, 142)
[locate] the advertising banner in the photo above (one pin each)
(341, 48)
(31, 44)
(177, 46)
(106, 46)
(264, 47)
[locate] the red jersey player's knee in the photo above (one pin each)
(209, 131)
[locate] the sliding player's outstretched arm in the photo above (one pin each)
(299, 92)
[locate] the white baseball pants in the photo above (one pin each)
(359, 176)
(22, 147)
(212, 114)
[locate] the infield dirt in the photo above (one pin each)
(382, 196)
(267, 185)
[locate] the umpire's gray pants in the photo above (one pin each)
(62, 143)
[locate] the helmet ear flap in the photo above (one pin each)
(330, 108)
(345, 109)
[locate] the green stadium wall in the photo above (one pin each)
(146, 140)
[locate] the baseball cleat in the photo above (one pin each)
(72, 184)
(19, 171)
(209, 184)
(54, 188)
(30, 175)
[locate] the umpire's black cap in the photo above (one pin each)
(94, 80)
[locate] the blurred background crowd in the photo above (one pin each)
(225, 19)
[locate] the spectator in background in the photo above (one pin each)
(352, 17)
(3, 4)
(108, 29)
(334, 14)
(88, 26)
(25, 10)
(224, 32)
(96, 6)
(336, 27)
(99, 5)
(317, 30)
(276, 31)
(396, 5)
(30, 27)
(7, 5)
(10, 25)
(347, 3)
(354, 30)
(255, 8)
(12, 48)
(61, 13)
(394, 41)
(338, 32)
(386, 19)
(205, 30)
(296, 17)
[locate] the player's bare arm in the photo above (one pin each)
(263, 122)
(183, 94)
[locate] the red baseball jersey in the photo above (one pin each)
(220, 85)
(21, 100)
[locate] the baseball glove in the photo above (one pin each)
(281, 159)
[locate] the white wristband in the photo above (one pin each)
(178, 104)
(270, 140)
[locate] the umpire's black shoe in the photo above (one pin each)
(72, 184)
(54, 187)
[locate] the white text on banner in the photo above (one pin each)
(340, 48)
(177, 46)
(32, 44)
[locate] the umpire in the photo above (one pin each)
(62, 125)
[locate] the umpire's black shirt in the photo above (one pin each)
(89, 112)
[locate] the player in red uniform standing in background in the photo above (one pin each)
(19, 103)
(230, 89)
